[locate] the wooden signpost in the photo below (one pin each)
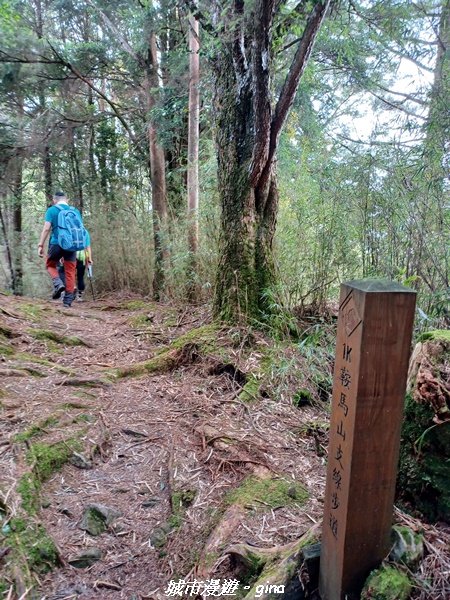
(373, 346)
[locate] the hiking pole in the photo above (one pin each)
(89, 270)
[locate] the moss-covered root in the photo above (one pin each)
(387, 583)
(271, 570)
(46, 334)
(161, 363)
(184, 350)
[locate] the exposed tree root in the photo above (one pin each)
(161, 363)
(232, 516)
(85, 382)
(276, 566)
(45, 334)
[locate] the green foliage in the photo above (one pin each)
(423, 481)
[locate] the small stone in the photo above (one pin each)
(87, 558)
(97, 517)
(80, 461)
(407, 546)
(167, 527)
(150, 503)
(292, 492)
(158, 537)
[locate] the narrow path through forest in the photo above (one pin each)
(160, 452)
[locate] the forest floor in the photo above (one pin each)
(139, 442)
(145, 447)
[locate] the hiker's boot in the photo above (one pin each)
(58, 288)
(79, 297)
(68, 299)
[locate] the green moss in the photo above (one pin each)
(83, 418)
(46, 334)
(31, 542)
(139, 322)
(439, 335)
(387, 583)
(26, 357)
(29, 488)
(160, 363)
(181, 500)
(301, 398)
(250, 391)
(35, 430)
(203, 337)
(135, 304)
(48, 458)
(260, 493)
(5, 347)
(33, 312)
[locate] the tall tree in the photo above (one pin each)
(193, 146)
(248, 132)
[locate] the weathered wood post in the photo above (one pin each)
(373, 346)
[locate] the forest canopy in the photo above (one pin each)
(253, 152)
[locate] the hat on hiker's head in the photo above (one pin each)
(58, 197)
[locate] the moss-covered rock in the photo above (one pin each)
(261, 493)
(387, 583)
(407, 546)
(438, 335)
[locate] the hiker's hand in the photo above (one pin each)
(90, 261)
(41, 251)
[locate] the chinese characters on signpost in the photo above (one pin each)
(372, 351)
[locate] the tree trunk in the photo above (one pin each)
(17, 225)
(193, 145)
(248, 131)
(158, 176)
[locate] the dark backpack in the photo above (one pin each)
(71, 235)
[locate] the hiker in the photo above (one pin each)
(84, 259)
(67, 237)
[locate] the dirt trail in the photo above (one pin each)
(145, 447)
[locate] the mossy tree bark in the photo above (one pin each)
(248, 130)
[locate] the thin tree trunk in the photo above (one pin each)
(158, 178)
(17, 225)
(46, 157)
(9, 256)
(193, 146)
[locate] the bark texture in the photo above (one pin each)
(248, 130)
(158, 175)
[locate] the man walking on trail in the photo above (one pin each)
(56, 252)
